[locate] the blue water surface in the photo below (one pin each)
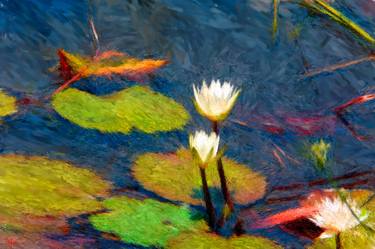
(223, 39)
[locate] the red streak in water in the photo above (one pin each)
(358, 100)
(285, 216)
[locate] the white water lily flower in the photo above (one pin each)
(335, 216)
(205, 145)
(216, 101)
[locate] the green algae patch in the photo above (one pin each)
(207, 240)
(146, 222)
(7, 104)
(360, 237)
(137, 107)
(36, 186)
(176, 177)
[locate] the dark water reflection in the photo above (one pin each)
(225, 39)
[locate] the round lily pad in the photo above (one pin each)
(37, 186)
(136, 106)
(359, 237)
(7, 104)
(145, 222)
(176, 177)
(209, 240)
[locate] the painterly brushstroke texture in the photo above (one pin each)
(175, 176)
(205, 240)
(146, 222)
(34, 187)
(138, 107)
(7, 104)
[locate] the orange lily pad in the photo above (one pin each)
(108, 63)
(74, 66)
(176, 177)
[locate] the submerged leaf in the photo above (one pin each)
(145, 222)
(206, 240)
(136, 106)
(7, 104)
(36, 186)
(319, 151)
(175, 176)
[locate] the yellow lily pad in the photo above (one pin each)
(176, 177)
(146, 222)
(136, 106)
(208, 240)
(36, 186)
(7, 104)
(359, 237)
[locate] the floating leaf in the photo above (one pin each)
(136, 106)
(206, 240)
(38, 241)
(7, 104)
(145, 222)
(74, 67)
(176, 177)
(33, 224)
(109, 62)
(36, 186)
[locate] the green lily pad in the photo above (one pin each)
(176, 177)
(145, 222)
(36, 186)
(7, 104)
(136, 106)
(359, 237)
(209, 240)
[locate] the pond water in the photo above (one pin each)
(224, 39)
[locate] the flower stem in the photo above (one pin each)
(223, 180)
(225, 191)
(338, 241)
(207, 198)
